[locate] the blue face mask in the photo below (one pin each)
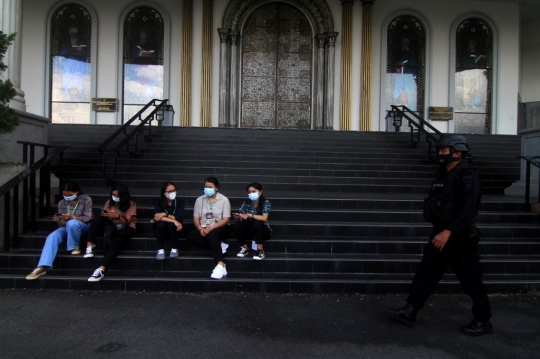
(70, 198)
(253, 196)
(116, 199)
(209, 192)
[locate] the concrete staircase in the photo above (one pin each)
(346, 212)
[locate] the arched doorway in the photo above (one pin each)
(277, 64)
(277, 57)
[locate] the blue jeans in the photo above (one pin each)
(73, 231)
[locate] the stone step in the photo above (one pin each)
(146, 242)
(274, 262)
(198, 282)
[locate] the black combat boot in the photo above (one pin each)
(477, 328)
(406, 315)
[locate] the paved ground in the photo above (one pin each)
(67, 324)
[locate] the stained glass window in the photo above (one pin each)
(473, 77)
(406, 63)
(71, 65)
(142, 59)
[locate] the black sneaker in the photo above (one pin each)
(260, 255)
(96, 277)
(243, 252)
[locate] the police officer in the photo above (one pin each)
(452, 208)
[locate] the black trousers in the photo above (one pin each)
(212, 240)
(166, 231)
(461, 253)
(251, 230)
(115, 238)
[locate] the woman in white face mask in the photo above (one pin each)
(116, 224)
(168, 219)
(252, 221)
(73, 218)
(211, 215)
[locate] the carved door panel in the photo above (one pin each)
(276, 69)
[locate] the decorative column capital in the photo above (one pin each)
(331, 36)
(223, 34)
(321, 40)
(368, 2)
(234, 35)
(345, 2)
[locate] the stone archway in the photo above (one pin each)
(319, 106)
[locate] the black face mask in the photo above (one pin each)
(446, 159)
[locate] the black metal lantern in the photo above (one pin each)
(165, 116)
(395, 119)
(398, 120)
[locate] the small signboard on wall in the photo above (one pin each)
(441, 113)
(104, 104)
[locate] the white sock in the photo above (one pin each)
(174, 250)
(161, 251)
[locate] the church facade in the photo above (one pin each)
(288, 64)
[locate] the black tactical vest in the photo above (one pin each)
(440, 207)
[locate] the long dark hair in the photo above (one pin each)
(162, 199)
(258, 187)
(72, 187)
(125, 197)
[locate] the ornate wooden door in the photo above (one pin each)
(277, 69)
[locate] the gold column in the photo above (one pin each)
(365, 79)
(346, 62)
(185, 64)
(206, 70)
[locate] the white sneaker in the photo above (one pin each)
(97, 276)
(243, 252)
(224, 247)
(219, 272)
(89, 251)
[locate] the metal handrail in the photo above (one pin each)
(140, 129)
(530, 161)
(421, 126)
(29, 175)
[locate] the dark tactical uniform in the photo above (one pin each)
(453, 204)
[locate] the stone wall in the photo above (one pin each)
(31, 128)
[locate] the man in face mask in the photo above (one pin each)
(452, 208)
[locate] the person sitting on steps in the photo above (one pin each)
(252, 221)
(116, 224)
(73, 218)
(168, 219)
(211, 216)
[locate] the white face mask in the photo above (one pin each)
(171, 195)
(116, 199)
(253, 196)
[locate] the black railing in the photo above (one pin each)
(418, 127)
(530, 160)
(28, 178)
(144, 128)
